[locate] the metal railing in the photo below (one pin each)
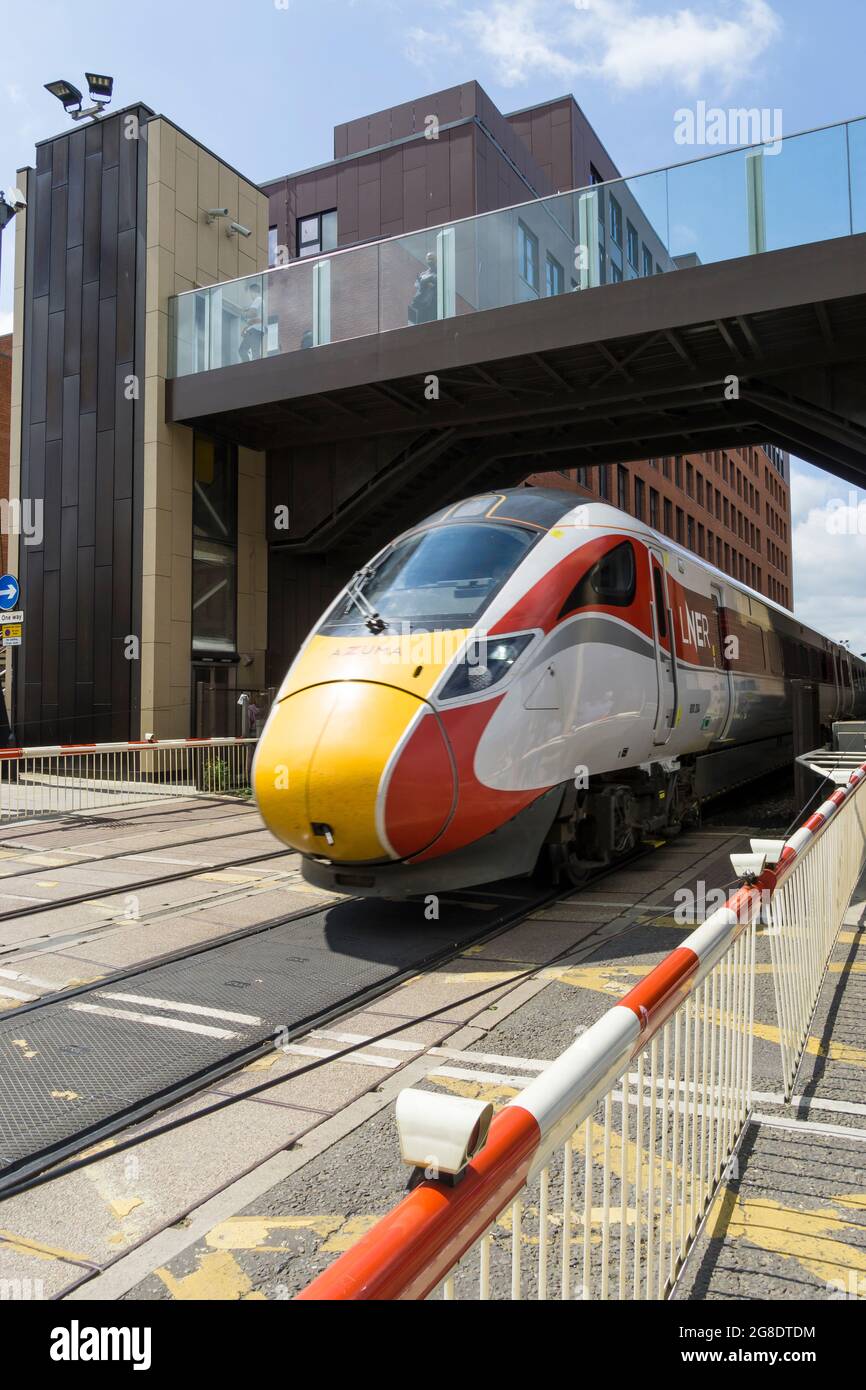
(65, 778)
(595, 1178)
(731, 204)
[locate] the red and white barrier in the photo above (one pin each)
(688, 1028)
(53, 750)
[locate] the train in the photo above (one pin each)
(528, 683)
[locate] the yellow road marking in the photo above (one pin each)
(218, 1277)
(812, 1237)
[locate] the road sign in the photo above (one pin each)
(15, 617)
(11, 632)
(9, 591)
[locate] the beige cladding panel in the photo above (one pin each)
(184, 251)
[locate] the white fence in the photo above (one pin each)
(98, 776)
(594, 1179)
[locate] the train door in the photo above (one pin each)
(722, 662)
(665, 652)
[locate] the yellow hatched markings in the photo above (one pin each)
(219, 1275)
(814, 1237)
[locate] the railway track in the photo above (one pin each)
(224, 1002)
(136, 885)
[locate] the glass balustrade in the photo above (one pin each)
(802, 189)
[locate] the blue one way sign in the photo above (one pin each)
(9, 591)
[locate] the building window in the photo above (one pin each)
(603, 482)
(669, 517)
(632, 246)
(554, 275)
(639, 498)
(615, 274)
(214, 546)
(615, 222)
(272, 245)
(680, 525)
(678, 471)
(317, 233)
(622, 488)
(690, 480)
(647, 261)
(527, 255)
(691, 533)
(654, 509)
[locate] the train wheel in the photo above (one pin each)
(574, 870)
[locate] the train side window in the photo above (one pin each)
(661, 607)
(610, 581)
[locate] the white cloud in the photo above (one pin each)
(628, 43)
(421, 46)
(514, 34)
(688, 46)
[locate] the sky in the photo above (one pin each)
(263, 82)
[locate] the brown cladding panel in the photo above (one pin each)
(57, 267)
(71, 409)
(68, 571)
(54, 378)
(72, 313)
(52, 485)
(75, 203)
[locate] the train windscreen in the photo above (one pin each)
(440, 578)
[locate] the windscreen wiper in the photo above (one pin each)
(374, 621)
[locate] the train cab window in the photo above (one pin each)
(442, 577)
(610, 582)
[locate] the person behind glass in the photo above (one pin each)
(250, 346)
(423, 306)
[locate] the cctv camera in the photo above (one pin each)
(214, 213)
(239, 228)
(441, 1134)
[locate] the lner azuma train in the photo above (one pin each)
(523, 682)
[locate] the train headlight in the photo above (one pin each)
(494, 658)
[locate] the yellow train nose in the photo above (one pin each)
(320, 764)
